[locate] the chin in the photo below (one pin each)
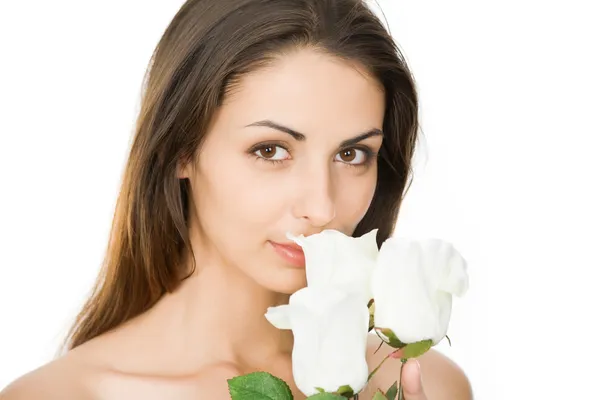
(287, 281)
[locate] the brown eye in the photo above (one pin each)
(267, 152)
(353, 156)
(348, 155)
(272, 152)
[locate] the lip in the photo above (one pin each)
(291, 253)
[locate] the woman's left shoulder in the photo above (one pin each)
(442, 378)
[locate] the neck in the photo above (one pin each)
(218, 314)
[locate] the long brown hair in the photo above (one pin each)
(202, 54)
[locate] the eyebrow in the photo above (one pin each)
(301, 137)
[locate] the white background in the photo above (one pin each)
(507, 171)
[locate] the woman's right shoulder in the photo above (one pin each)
(62, 378)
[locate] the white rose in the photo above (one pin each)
(330, 338)
(336, 260)
(413, 284)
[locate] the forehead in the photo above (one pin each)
(310, 91)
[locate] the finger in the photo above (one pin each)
(397, 354)
(412, 384)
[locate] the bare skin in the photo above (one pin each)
(213, 327)
(85, 374)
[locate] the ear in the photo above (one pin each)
(183, 169)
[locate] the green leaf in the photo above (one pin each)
(379, 395)
(389, 337)
(417, 349)
(392, 392)
(258, 386)
(345, 391)
(326, 396)
(371, 315)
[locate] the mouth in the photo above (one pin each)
(290, 252)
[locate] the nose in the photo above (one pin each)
(315, 201)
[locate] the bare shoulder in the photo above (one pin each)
(442, 378)
(59, 379)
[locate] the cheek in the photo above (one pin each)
(239, 199)
(354, 196)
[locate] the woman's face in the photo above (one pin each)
(292, 149)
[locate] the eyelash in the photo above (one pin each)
(368, 154)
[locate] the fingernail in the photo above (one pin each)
(416, 387)
(420, 384)
(396, 354)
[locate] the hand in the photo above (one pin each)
(412, 385)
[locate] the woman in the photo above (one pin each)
(259, 118)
